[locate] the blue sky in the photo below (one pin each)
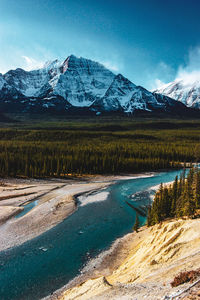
(148, 41)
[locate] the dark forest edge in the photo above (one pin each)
(180, 199)
(63, 147)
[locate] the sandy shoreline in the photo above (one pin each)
(102, 265)
(56, 201)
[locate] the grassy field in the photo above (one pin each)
(59, 146)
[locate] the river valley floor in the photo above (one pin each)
(55, 201)
(57, 256)
(52, 201)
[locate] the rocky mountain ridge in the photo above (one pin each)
(78, 83)
(185, 90)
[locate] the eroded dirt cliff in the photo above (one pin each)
(156, 255)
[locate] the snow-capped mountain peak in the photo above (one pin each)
(186, 90)
(76, 82)
(2, 81)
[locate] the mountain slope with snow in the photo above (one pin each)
(74, 84)
(183, 90)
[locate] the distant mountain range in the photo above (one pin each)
(79, 84)
(186, 91)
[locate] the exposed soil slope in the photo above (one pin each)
(156, 255)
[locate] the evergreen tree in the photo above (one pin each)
(197, 189)
(174, 195)
(137, 224)
(181, 199)
(189, 208)
(149, 217)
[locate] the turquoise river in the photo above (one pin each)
(44, 264)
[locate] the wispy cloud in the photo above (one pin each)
(31, 63)
(111, 66)
(189, 72)
(158, 84)
(160, 75)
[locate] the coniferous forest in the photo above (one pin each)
(97, 146)
(182, 198)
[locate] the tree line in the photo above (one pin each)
(182, 198)
(76, 151)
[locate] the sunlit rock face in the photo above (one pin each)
(82, 81)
